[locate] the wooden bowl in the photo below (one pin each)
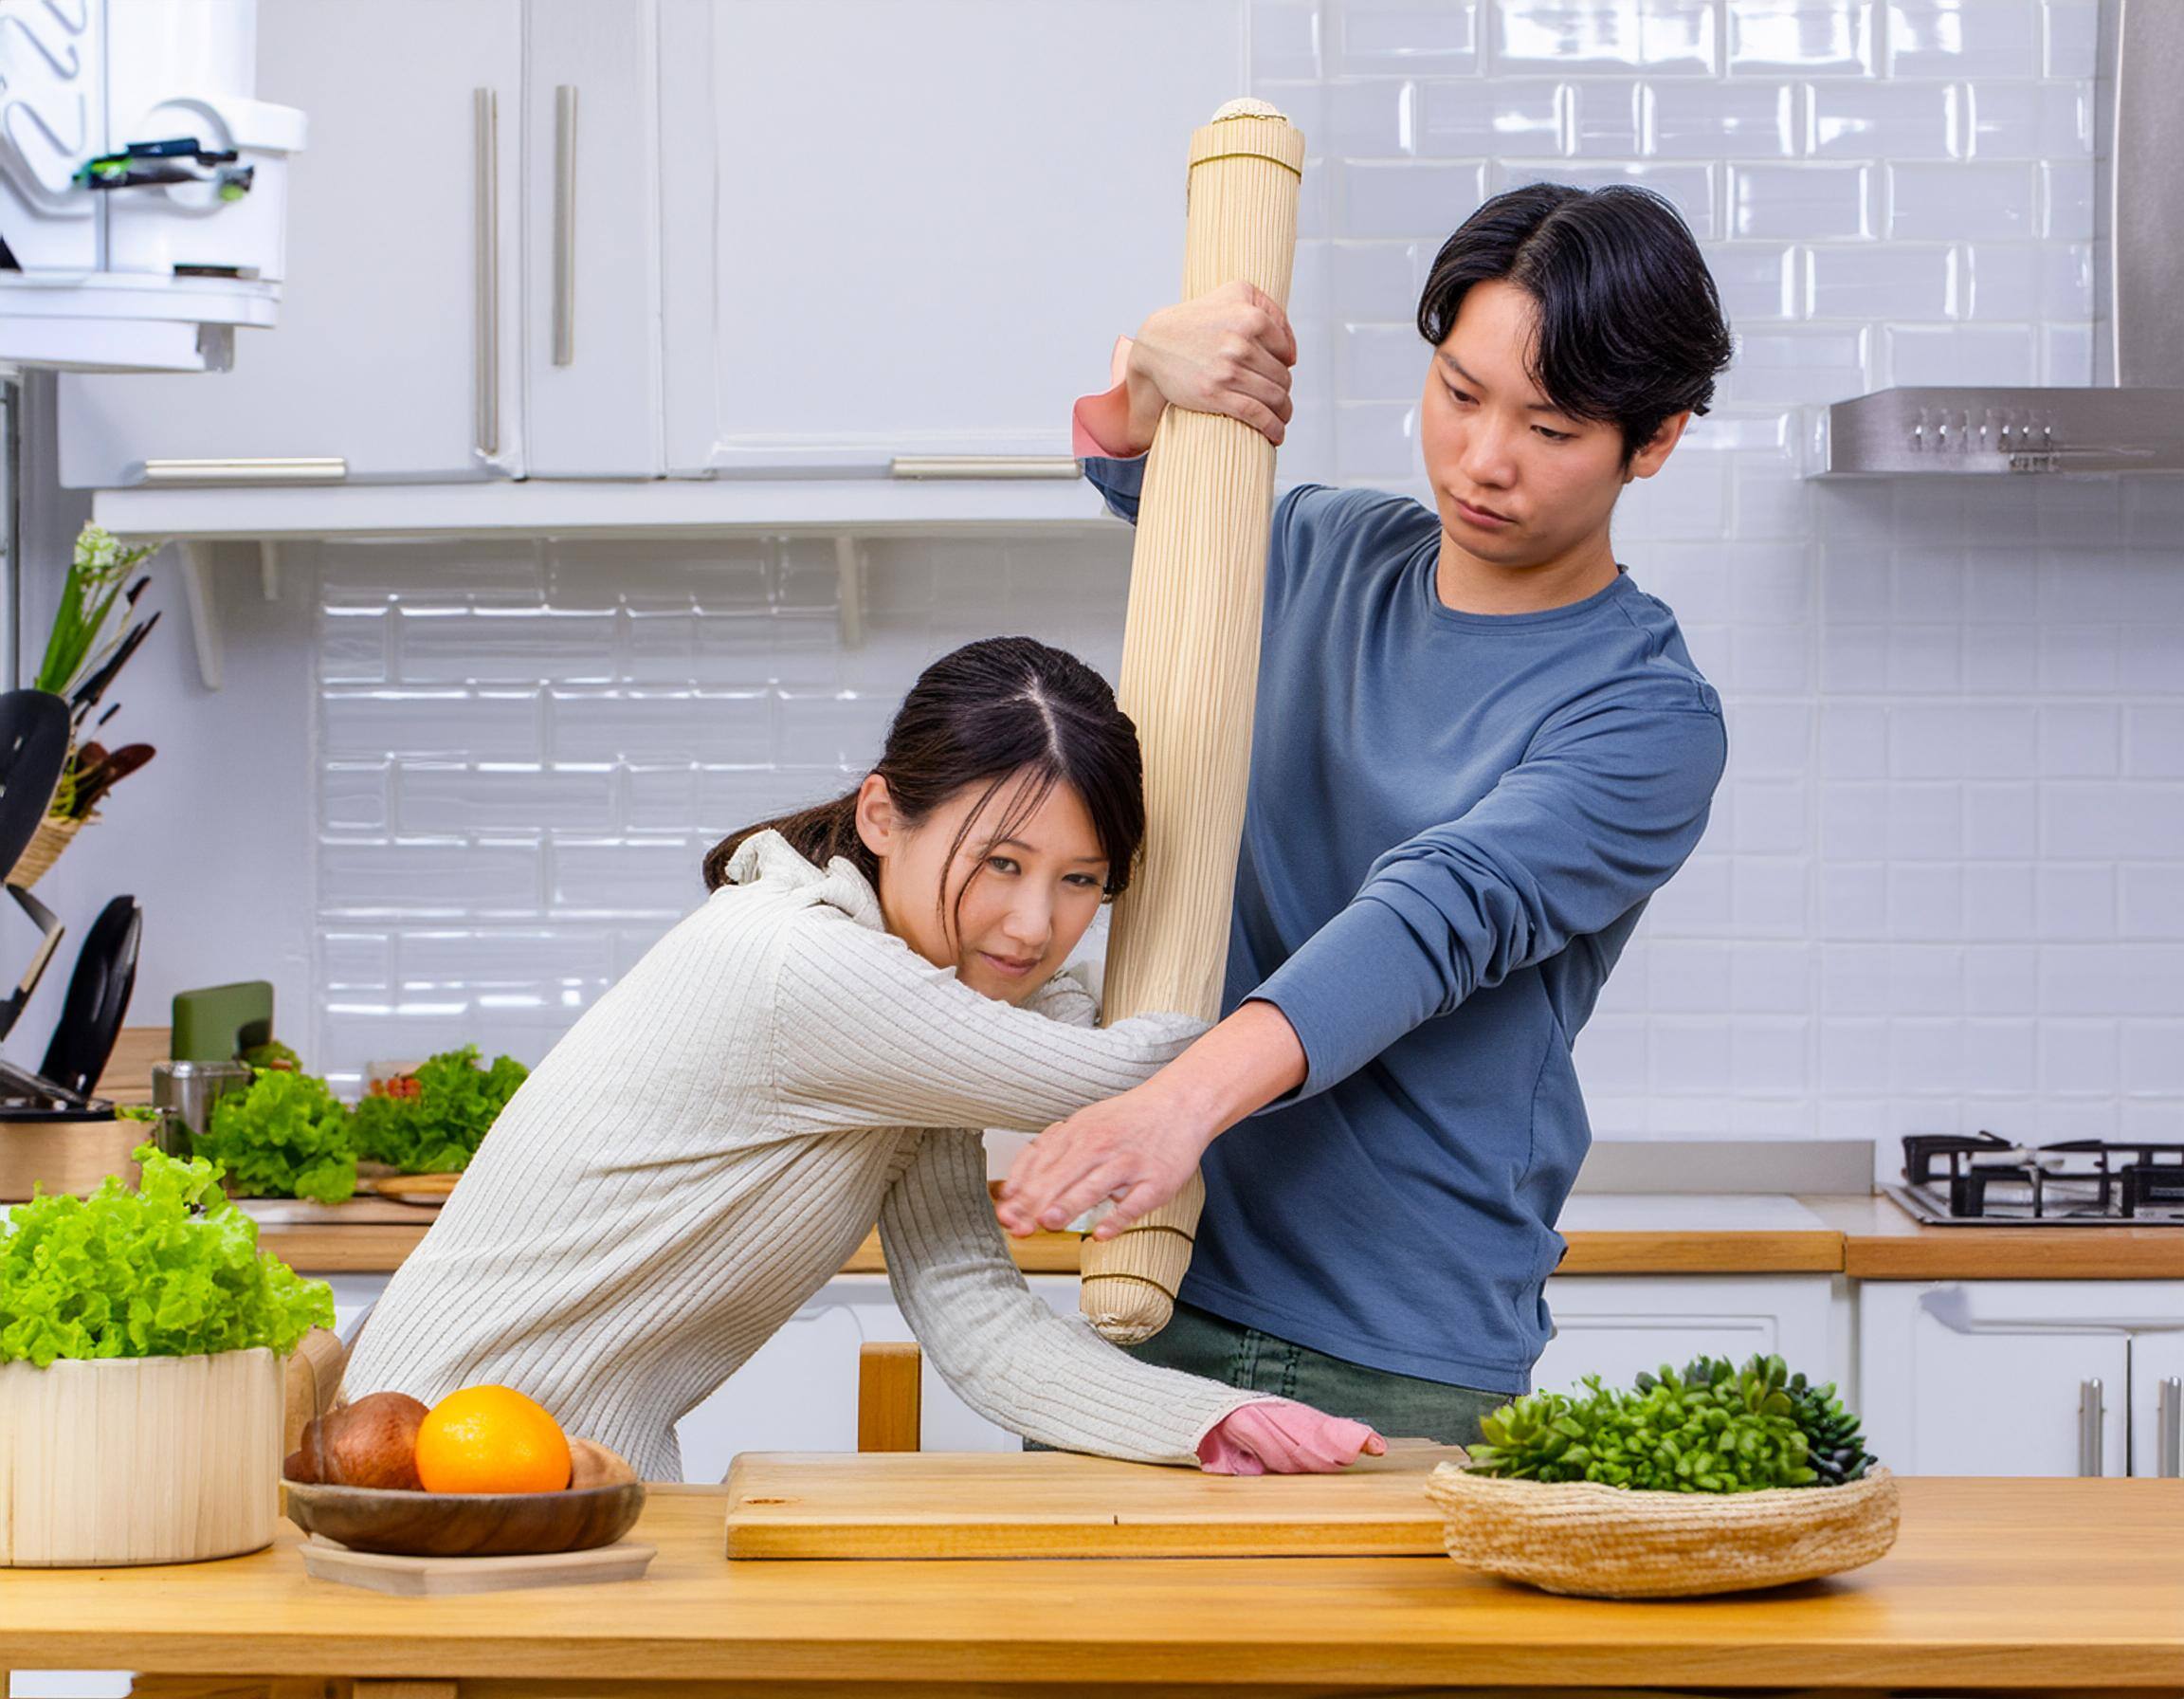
(465, 1524)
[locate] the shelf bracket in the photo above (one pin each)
(204, 615)
(850, 564)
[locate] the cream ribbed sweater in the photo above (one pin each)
(703, 1149)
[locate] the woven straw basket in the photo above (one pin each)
(44, 848)
(1612, 1543)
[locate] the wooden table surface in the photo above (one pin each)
(1998, 1585)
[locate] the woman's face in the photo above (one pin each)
(1025, 900)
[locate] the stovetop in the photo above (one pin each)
(1984, 1180)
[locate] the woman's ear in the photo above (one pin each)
(878, 825)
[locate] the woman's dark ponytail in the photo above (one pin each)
(992, 708)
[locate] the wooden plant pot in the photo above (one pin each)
(139, 1459)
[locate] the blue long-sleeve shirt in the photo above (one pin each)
(1454, 822)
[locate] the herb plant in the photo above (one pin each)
(172, 1269)
(1713, 1428)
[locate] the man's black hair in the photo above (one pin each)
(1631, 328)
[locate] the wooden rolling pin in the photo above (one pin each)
(1191, 673)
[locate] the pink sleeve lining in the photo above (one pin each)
(1097, 422)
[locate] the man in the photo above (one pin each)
(1479, 749)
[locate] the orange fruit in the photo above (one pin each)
(491, 1439)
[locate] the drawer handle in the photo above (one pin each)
(322, 470)
(2169, 1426)
(486, 164)
(2092, 1408)
(983, 465)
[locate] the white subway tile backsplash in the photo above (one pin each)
(456, 796)
(451, 723)
(1893, 280)
(1680, 36)
(1961, 353)
(622, 876)
(2029, 121)
(522, 646)
(1883, 121)
(1706, 120)
(2075, 901)
(353, 796)
(1812, 37)
(1943, 876)
(1973, 201)
(1402, 38)
(1964, 38)
(1376, 116)
(1525, 116)
(1425, 200)
(1689, 188)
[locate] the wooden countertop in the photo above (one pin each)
(1994, 1585)
(1866, 1239)
(1881, 1242)
(339, 1246)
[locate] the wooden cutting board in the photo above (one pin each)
(1055, 1505)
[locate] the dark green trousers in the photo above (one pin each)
(1398, 1406)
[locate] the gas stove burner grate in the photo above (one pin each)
(1952, 1178)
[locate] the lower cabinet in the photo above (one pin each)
(2023, 1377)
(799, 1393)
(1618, 1326)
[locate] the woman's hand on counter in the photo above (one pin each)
(1281, 1437)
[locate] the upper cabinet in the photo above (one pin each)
(726, 239)
(473, 263)
(903, 230)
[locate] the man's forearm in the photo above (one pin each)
(1241, 1065)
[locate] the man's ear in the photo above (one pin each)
(878, 825)
(1654, 455)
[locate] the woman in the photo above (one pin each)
(812, 1051)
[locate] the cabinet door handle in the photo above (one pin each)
(565, 225)
(330, 469)
(485, 135)
(983, 465)
(2169, 1429)
(2092, 1408)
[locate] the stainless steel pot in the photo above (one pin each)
(184, 1093)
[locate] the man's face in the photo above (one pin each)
(1516, 483)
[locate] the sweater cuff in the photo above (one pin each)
(1349, 991)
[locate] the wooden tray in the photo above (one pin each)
(1056, 1505)
(329, 1561)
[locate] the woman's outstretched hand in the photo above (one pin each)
(1281, 1437)
(1135, 1148)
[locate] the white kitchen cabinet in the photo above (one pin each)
(592, 240)
(916, 229)
(1617, 1326)
(798, 1392)
(2016, 1378)
(398, 347)
(2157, 1403)
(473, 261)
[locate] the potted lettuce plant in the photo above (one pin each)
(142, 1342)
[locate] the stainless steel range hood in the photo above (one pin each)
(2134, 421)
